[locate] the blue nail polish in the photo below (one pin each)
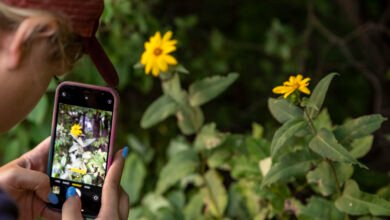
(71, 191)
(125, 151)
(53, 199)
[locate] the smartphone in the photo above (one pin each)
(82, 142)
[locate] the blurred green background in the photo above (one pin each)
(264, 41)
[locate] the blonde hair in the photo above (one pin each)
(66, 47)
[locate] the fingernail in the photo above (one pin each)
(71, 191)
(53, 199)
(125, 151)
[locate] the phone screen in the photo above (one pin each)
(80, 146)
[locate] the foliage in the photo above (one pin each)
(253, 174)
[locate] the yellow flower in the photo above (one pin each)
(76, 130)
(293, 84)
(156, 57)
(76, 170)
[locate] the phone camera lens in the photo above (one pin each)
(63, 94)
(109, 101)
(86, 97)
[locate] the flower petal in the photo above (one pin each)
(304, 89)
(170, 59)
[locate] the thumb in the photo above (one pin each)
(71, 210)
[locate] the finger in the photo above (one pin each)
(47, 213)
(123, 204)
(25, 179)
(110, 192)
(72, 207)
(36, 159)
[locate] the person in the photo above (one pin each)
(40, 40)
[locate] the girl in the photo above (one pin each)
(38, 40)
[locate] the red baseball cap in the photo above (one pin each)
(83, 16)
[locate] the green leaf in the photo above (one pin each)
(361, 146)
(318, 96)
(133, 177)
(282, 110)
(171, 87)
(324, 178)
(39, 112)
(193, 210)
(180, 165)
(215, 193)
(208, 137)
(358, 127)
(323, 120)
(189, 119)
(291, 165)
(326, 145)
(319, 209)
(201, 92)
(355, 202)
(158, 111)
(285, 133)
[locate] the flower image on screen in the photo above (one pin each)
(81, 144)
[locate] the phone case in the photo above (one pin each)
(115, 95)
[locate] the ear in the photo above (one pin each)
(37, 27)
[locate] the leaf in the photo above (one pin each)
(208, 137)
(133, 177)
(355, 202)
(318, 209)
(291, 165)
(189, 119)
(180, 165)
(285, 133)
(358, 127)
(171, 87)
(159, 110)
(318, 96)
(39, 112)
(361, 146)
(323, 176)
(201, 92)
(326, 145)
(282, 110)
(215, 193)
(193, 210)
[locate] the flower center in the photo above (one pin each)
(157, 51)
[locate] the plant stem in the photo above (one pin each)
(311, 124)
(314, 130)
(335, 175)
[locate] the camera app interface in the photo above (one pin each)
(81, 145)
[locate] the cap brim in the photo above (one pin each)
(102, 62)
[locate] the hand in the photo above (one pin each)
(26, 181)
(115, 201)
